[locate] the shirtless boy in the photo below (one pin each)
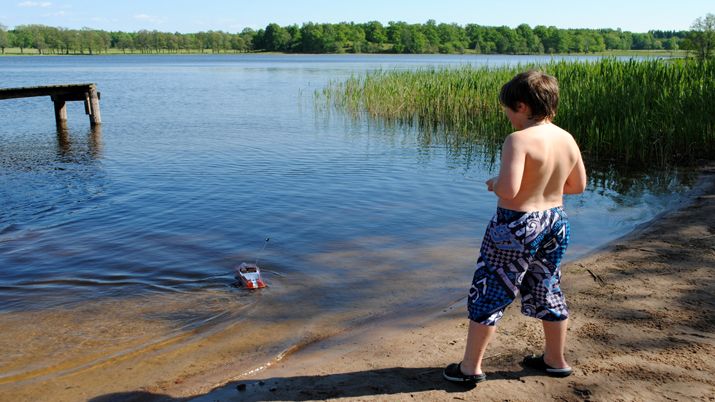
(526, 239)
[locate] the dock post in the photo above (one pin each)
(94, 116)
(60, 111)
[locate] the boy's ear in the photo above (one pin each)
(521, 107)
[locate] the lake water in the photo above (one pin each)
(121, 240)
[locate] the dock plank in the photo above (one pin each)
(60, 94)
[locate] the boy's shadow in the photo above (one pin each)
(388, 381)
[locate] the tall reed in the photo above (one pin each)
(636, 112)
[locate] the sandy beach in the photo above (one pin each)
(641, 330)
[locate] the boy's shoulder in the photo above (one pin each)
(540, 133)
(534, 139)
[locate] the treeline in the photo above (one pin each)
(370, 37)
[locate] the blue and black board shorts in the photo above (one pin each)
(521, 254)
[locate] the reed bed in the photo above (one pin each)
(635, 112)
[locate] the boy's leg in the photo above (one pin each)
(542, 297)
(498, 272)
(555, 343)
(478, 338)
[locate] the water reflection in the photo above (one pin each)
(70, 149)
(42, 177)
(38, 151)
(472, 148)
(630, 183)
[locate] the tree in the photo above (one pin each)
(533, 42)
(4, 38)
(430, 31)
(122, 40)
(356, 38)
(473, 33)
(612, 39)
(172, 42)
(312, 38)
(31, 36)
(188, 42)
(92, 40)
(69, 40)
(39, 41)
(237, 43)
(215, 41)
(671, 44)
(104, 40)
(276, 38)
(53, 38)
(375, 32)
(394, 32)
(487, 38)
(453, 38)
(248, 36)
(412, 40)
(509, 42)
(702, 37)
(333, 38)
(23, 37)
(295, 39)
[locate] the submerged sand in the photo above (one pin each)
(641, 329)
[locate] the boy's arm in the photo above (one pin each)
(576, 182)
(506, 186)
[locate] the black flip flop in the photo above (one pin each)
(538, 363)
(453, 373)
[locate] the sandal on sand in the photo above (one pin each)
(538, 363)
(453, 373)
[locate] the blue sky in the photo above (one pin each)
(233, 16)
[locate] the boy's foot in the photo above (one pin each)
(453, 373)
(538, 363)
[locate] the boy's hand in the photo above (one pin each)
(491, 182)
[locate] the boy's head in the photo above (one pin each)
(538, 91)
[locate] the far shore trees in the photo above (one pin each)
(350, 37)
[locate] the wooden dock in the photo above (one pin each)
(60, 95)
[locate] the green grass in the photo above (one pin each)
(637, 112)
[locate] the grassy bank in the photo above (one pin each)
(637, 112)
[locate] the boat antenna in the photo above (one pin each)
(265, 243)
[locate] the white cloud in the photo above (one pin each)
(149, 18)
(32, 4)
(57, 14)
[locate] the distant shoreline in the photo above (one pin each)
(15, 52)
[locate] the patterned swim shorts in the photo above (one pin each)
(521, 253)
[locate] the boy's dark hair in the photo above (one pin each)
(534, 88)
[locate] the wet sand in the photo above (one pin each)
(641, 330)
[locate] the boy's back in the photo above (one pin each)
(539, 164)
